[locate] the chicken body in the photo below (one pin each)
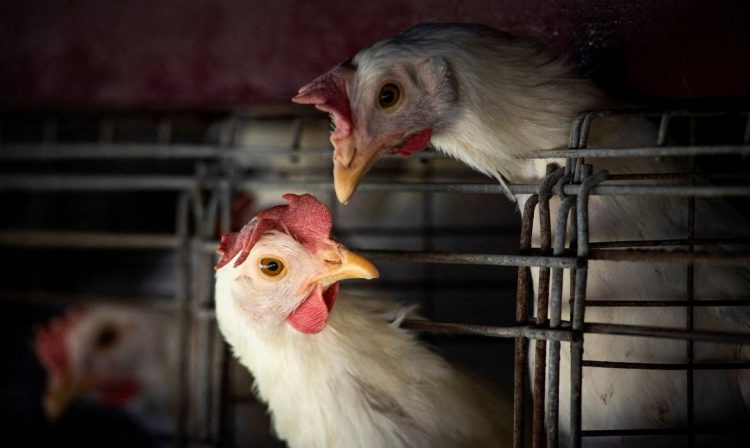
(356, 380)
(363, 383)
(485, 98)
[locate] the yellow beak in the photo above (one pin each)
(352, 265)
(350, 163)
(60, 394)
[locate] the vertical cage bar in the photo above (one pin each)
(573, 167)
(182, 297)
(227, 132)
(428, 242)
(576, 356)
(575, 172)
(226, 406)
(297, 128)
(199, 374)
(225, 206)
(217, 378)
(164, 131)
(576, 346)
(575, 130)
(661, 138)
(521, 344)
(690, 290)
(553, 368)
(212, 339)
(583, 136)
(540, 349)
(200, 347)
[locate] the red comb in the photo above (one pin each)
(305, 218)
(328, 93)
(49, 342)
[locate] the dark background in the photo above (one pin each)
(234, 53)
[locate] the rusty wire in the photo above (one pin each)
(574, 184)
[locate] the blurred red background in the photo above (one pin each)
(229, 53)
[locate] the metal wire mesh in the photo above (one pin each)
(203, 202)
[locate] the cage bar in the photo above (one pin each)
(204, 199)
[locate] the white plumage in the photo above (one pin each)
(485, 97)
(355, 381)
(114, 355)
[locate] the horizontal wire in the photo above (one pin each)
(666, 303)
(564, 333)
(131, 241)
(88, 240)
(62, 182)
(653, 151)
(665, 431)
(666, 366)
(97, 151)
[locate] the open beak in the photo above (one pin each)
(352, 266)
(350, 163)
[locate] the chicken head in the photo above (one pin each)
(285, 268)
(380, 107)
(108, 353)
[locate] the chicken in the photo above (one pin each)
(473, 92)
(343, 378)
(487, 98)
(114, 355)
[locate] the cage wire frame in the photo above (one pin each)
(206, 196)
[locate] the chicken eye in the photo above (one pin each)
(107, 337)
(271, 267)
(389, 96)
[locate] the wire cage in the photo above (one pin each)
(191, 168)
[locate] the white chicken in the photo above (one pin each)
(114, 355)
(485, 98)
(343, 378)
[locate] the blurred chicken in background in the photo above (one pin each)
(112, 356)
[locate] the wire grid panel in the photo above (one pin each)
(204, 194)
(572, 220)
(197, 177)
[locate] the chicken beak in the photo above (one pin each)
(352, 265)
(60, 394)
(350, 163)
